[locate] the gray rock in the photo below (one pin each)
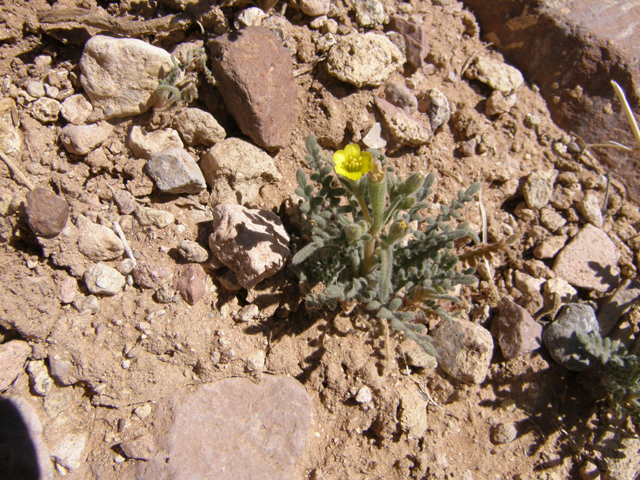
(366, 59)
(47, 213)
(437, 108)
(538, 188)
(416, 39)
(315, 8)
(102, 279)
(97, 242)
(35, 89)
(589, 207)
(76, 109)
(70, 451)
(150, 275)
(151, 216)
(589, 260)
(88, 304)
(370, 13)
(198, 127)
(39, 378)
(25, 454)
(518, 332)
(561, 340)
(81, 139)
(62, 370)
(139, 448)
(46, 110)
(548, 247)
(192, 251)
(396, 93)
(189, 281)
(125, 201)
(402, 128)
(497, 75)
(13, 354)
(272, 418)
(617, 305)
(165, 294)
(121, 75)
(236, 170)
(502, 433)
(175, 171)
(463, 350)
(145, 145)
(497, 103)
(252, 243)
(254, 74)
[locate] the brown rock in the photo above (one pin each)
(617, 305)
(47, 212)
(139, 448)
(415, 37)
(81, 139)
(13, 354)
(150, 275)
(403, 128)
(189, 281)
(254, 74)
(518, 333)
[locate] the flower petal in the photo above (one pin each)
(367, 162)
(339, 157)
(352, 150)
(350, 175)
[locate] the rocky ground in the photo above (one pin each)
(149, 324)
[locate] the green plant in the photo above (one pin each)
(371, 250)
(620, 372)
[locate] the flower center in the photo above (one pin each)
(352, 165)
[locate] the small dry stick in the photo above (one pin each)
(127, 248)
(16, 171)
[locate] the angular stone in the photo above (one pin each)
(538, 188)
(102, 279)
(67, 289)
(121, 75)
(46, 110)
(151, 216)
(403, 128)
(366, 59)
(560, 337)
(175, 171)
(436, 106)
(81, 139)
(551, 220)
(145, 145)
(189, 281)
(97, 242)
(412, 413)
(13, 354)
(139, 448)
(41, 382)
(254, 74)
(69, 452)
(399, 95)
(198, 127)
(150, 275)
(589, 207)
(499, 76)
(518, 332)
(76, 109)
(589, 260)
(373, 138)
(416, 38)
(497, 103)
(272, 418)
(236, 170)
(192, 251)
(125, 201)
(463, 350)
(548, 247)
(617, 305)
(252, 243)
(47, 213)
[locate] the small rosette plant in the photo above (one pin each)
(371, 250)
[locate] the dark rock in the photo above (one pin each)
(518, 332)
(560, 337)
(416, 39)
(47, 213)
(189, 280)
(617, 305)
(254, 74)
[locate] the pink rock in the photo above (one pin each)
(518, 333)
(67, 289)
(13, 354)
(589, 261)
(415, 37)
(189, 280)
(150, 275)
(47, 213)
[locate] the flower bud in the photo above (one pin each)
(412, 184)
(354, 232)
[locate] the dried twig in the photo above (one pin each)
(127, 248)
(16, 171)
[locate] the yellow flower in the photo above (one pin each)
(351, 163)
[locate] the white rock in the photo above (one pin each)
(46, 109)
(97, 242)
(69, 452)
(250, 17)
(144, 145)
(364, 59)
(151, 216)
(364, 395)
(198, 127)
(143, 411)
(41, 382)
(35, 89)
(374, 138)
(538, 188)
(247, 313)
(121, 75)
(102, 279)
(255, 361)
(559, 286)
(81, 139)
(497, 75)
(76, 109)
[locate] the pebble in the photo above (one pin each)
(165, 294)
(13, 354)
(175, 171)
(272, 417)
(86, 304)
(436, 107)
(549, 247)
(192, 251)
(418, 358)
(121, 75)
(139, 448)
(35, 89)
(463, 350)
(502, 433)
(81, 139)
(236, 170)
(497, 75)
(189, 281)
(416, 38)
(69, 452)
(518, 333)
(374, 138)
(249, 17)
(198, 127)
(126, 266)
(315, 8)
(51, 91)
(400, 96)
(97, 242)
(125, 201)
(617, 305)
(247, 313)
(67, 289)
(560, 287)
(47, 213)
(150, 275)
(589, 471)
(143, 411)
(401, 127)
(151, 216)
(46, 109)
(526, 283)
(364, 395)
(370, 13)
(254, 75)
(41, 382)
(256, 361)
(102, 279)
(497, 103)
(364, 59)
(589, 261)
(145, 145)
(235, 226)
(412, 413)
(589, 208)
(538, 188)
(560, 336)
(76, 109)
(551, 220)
